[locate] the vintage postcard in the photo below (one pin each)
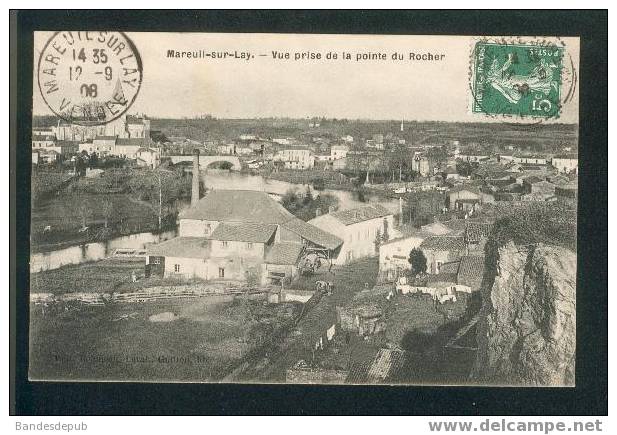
(304, 208)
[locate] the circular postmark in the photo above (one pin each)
(89, 78)
(518, 79)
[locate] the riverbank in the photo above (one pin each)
(89, 252)
(318, 179)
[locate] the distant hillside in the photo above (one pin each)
(536, 137)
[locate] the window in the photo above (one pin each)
(176, 268)
(438, 266)
(249, 245)
(208, 229)
(156, 260)
(224, 244)
(221, 272)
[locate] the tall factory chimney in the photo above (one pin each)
(195, 187)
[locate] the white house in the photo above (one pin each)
(149, 157)
(339, 151)
(439, 250)
(296, 158)
(565, 163)
(226, 148)
(472, 157)
(43, 141)
(114, 146)
(394, 255)
(358, 227)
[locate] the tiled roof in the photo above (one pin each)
(455, 225)
(471, 270)
(449, 267)
(387, 363)
(496, 175)
(43, 137)
(105, 138)
(243, 232)
(360, 214)
(444, 243)
(255, 207)
(462, 187)
(284, 253)
(238, 206)
(45, 151)
(134, 120)
(131, 141)
(65, 142)
(532, 179)
(477, 230)
(313, 234)
(186, 247)
(358, 373)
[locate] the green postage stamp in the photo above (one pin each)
(523, 80)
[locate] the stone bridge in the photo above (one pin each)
(205, 161)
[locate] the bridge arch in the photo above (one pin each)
(205, 161)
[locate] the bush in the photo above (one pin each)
(417, 261)
(536, 222)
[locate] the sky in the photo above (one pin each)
(334, 88)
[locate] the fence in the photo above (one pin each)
(153, 294)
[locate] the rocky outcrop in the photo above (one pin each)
(527, 328)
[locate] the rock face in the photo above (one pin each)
(527, 327)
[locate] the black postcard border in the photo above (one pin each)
(589, 397)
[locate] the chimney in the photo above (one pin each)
(195, 187)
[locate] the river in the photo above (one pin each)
(237, 181)
(212, 180)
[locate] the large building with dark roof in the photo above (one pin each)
(240, 232)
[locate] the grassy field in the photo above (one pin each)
(209, 337)
(100, 276)
(63, 214)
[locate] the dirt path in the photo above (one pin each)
(348, 280)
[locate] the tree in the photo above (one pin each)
(386, 235)
(377, 241)
(108, 211)
(417, 261)
(308, 197)
(464, 169)
(84, 212)
(290, 201)
(94, 160)
(161, 187)
(400, 158)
